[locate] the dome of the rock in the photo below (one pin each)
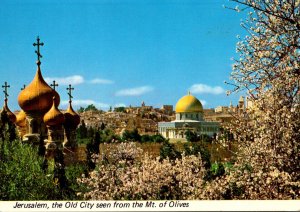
(188, 104)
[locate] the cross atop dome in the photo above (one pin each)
(5, 86)
(70, 92)
(54, 85)
(38, 44)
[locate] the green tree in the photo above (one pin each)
(191, 136)
(91, 107)
(80, 110)
(21, 176)
(82, 130)
(131, 135)
(158, 138)
(120, 109)
(93, 148)
(168, 150)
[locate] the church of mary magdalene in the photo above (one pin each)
(40, 117)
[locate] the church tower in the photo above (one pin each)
(54, 120)
(72, 119)
(11, 116)
(35, 100)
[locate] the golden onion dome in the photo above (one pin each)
(21, 119)
(54, 116)
(72, 119)
(188, 104)
(10, 115)
(37, 96)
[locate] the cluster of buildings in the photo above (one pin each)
(40, 117)
(190, 116)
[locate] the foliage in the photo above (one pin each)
(119, 109)
(90, 107)
(191, 136)
(93, 148)
(80, 110)
(269, 131)
(122, 175)
(21, 176)
(109, 136)
(196, 149)
(73, 172)
(82, 131)
(131, 135)
(168, 150)
(152, 138)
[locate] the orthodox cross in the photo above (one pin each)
(5, 86)
(38, 44)
(54, 85)
(23, 87)
(70, 92)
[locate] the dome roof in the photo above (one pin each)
(37, 96)
(54, 116)
(188, 104)
(72, 119)
(21, 117)
(10, 115)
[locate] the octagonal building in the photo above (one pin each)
(189, 116)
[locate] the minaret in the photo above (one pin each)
(72, 119)
(11, 116)
(35, 100)
(54, 120)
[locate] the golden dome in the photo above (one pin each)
(10, 115)
(54, 116)
(37, 96)
(188, 104)
(21, 117)
(72, 119)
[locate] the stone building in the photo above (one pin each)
(189, 116)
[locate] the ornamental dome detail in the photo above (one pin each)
(188, 104)
(37, 96)
(21, 119)
(10, 115)
(72, 119)
(54, 117)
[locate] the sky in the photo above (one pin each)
(121, 52)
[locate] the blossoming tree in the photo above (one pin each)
(268, 68)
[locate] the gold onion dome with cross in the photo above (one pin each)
(10, 115)
(54, 117)
(21, 119)
(72, 119)
(188, 104)
(37, 96)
